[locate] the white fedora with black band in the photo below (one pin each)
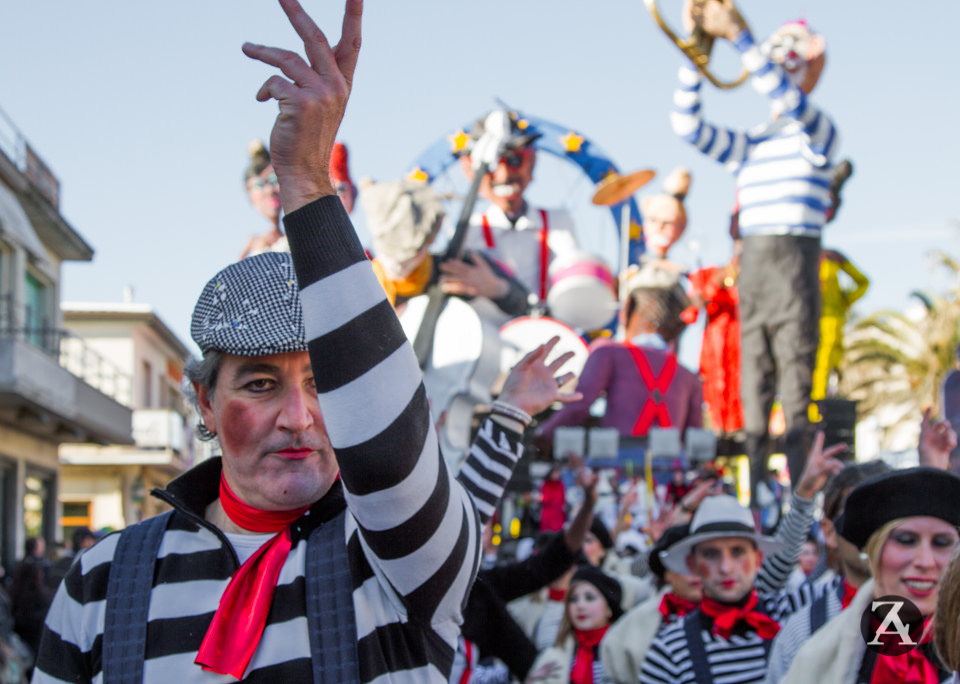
(717, 517)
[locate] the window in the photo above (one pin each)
(39, 503)
(6, 266)
(174, 398)
(35, 320)
(147, 385)
(75, 514)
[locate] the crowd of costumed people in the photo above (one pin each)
(485, 462)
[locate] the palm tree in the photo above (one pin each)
(893, 363)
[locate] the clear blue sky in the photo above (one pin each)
(144, 112)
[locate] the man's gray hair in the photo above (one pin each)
(203, 372)
(660, 308)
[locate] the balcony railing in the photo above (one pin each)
(16, 147)
(88, 365)
(22, 322)
(159, 429)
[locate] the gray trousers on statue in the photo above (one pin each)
(780, 328)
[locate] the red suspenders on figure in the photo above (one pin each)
(655, 407)
(544, 248)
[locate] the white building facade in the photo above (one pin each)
(43, 403)
(108, 486)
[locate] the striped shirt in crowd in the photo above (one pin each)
(741, 659)
(795, 632)
(412, 530)
(783, 167)
(598, 672)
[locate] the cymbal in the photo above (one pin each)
(615, 188)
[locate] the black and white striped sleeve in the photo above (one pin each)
(489, 466)
(792, 532)
(417, 524)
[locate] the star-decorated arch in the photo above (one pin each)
(563, 142)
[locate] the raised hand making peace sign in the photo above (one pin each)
(312, 95)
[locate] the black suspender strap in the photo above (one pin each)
(329, 590)
(818, 609)
(330, 613)
(128, 600)
(693, 631)
(767, 644)
(818, 612)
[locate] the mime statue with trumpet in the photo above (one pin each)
(783, 170)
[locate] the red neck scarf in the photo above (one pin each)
(671, 604)
(238, 624)
(848, 593)
(558, 595)
(727, 617)
(913, 666)
(587, 641)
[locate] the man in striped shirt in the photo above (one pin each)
(783, 171)
(330, 460)
(728, 638)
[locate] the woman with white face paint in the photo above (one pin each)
(905, 523)
(593, 604)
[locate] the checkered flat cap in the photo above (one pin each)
(251, 308)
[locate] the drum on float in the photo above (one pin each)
(521, 336)
(582, 291)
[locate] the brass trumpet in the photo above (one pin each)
(697, 47)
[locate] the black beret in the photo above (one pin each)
(922, 491)
(608, 587)
(670, 537)
(600, 531)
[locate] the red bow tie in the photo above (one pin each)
(671, 604)
(727, 617)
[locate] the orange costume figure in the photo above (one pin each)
(714, 289)
(720, 351)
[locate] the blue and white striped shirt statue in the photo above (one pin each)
(783, 170)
